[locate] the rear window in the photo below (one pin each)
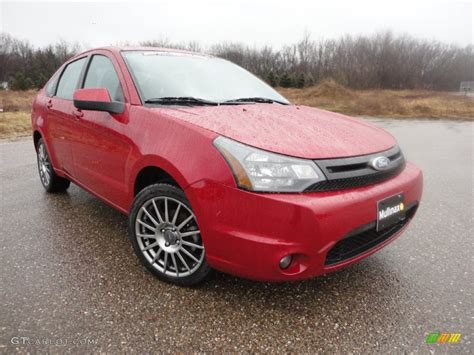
(50, 86)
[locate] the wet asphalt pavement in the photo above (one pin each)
(69, 277)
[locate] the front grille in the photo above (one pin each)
(348, 173)
(352, 182)
(365, 238)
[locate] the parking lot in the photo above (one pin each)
(70, 279)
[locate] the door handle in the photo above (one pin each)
(49, 104)
(78, 113)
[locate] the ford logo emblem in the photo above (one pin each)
(380, 163)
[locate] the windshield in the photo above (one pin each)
(171, 75)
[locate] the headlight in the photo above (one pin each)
(259, 170)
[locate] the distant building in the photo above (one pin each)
(4, 85)
(467, 86)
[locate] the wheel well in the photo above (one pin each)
(36, 138)
(152, 175)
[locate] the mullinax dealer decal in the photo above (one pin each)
(391, 210)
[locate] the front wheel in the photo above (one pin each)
(166, 237)
(51, 182)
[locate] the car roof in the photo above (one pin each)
(118, 49)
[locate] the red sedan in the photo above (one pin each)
(216, 170)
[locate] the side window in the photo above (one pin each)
(69, 79)
(52, 84)
(102, 74)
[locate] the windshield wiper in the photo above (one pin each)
(260, 100)
(189, 100)
(180, 100)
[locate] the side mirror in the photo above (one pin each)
(96, 99)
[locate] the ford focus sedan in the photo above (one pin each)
(216, 170)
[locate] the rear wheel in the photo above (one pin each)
(51, 182)
(166, 237)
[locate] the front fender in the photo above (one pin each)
(181, 149)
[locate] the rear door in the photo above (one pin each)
(61, 121)
(101, 149)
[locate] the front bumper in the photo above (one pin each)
(246, 234)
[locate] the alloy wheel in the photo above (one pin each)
(168, 236)
(44, 165)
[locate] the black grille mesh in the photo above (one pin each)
(353, 182)
(359, 242)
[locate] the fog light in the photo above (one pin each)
(285, 261)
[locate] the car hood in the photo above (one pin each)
(298, 131)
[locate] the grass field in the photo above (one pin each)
(384, 103)
(15, 120)
(16, 105)
(15, 124)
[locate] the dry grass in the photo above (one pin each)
(15, 124)
(16, 100)
(383, 103)
(15, 120)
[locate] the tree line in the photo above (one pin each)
(380, 61)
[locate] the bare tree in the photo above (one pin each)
(383, 60)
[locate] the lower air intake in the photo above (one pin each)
(365, 238)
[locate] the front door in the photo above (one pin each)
(100, 149)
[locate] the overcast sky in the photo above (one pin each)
(254, 22)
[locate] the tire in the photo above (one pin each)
(50, 181)
(165, 236)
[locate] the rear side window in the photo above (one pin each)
(102, 74)
(51, 84)
(69, 79)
